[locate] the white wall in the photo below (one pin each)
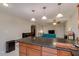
(72, 23)
(75, 25)
(38, 28)
(11, 28)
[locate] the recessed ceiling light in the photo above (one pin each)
(5, 4)
(33, 19)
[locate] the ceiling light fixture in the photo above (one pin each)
(54, 22)
(44, 17)
(5, 4)
(59, 15)
(41, 31)
(33, 19)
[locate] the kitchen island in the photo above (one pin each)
(46, 47)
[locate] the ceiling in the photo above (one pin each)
(24, 10)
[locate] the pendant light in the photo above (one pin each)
(59, 15)
(54, 22)
(44, 16)
(33, 19)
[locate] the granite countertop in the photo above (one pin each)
(50, 43)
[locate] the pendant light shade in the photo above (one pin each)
(54, 23)
(44, 17)
(59, 15)
(33, 19)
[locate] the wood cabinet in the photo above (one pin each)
(22, 49)
(34, 50)
(29, 50)
(48, 54)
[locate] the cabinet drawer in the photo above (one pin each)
(22, 44)
(64, 45)
(22, 49)
(33, 52)
(34, 46)
(50, 50)
(63, 53)
(48, 54)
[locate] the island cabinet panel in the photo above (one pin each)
(63, 53)
(22, 49)
(49, 51)
(33, 46)
(33, 52)
(48, 54)
(22, 44)
(29, 50)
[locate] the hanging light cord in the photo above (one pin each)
(33, 11)
(44, 11)
(59, 7)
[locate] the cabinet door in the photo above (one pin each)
(48, 54)
(49, 51)
(33, 52)
(63, 53)
(22, 50)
